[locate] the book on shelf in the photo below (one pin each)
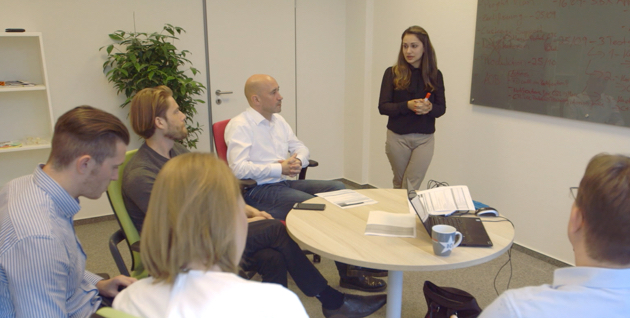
(10, 144)
(16, 83)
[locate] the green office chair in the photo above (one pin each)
(108, 312)
(128, 231)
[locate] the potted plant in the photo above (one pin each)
(139, 60)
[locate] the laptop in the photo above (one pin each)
(473, 232)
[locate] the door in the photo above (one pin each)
(250, 37)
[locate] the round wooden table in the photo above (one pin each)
(338, 234)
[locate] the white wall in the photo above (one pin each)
(358, 80)
(73, 31)
(320, 67)
(522, 164)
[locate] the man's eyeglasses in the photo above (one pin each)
(574, 191)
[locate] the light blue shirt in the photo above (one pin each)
(575, 292)
(42, 263)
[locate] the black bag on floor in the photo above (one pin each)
(444, 302)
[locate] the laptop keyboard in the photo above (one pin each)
(452, 221)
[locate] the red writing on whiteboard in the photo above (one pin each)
(539, 94)
(540, 15)
(518, 73)
(542, 61)
(492, 79)
(623, 87)
(565, 3)
(493, 4)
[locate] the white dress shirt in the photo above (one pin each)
(208, 294)
(255, 145)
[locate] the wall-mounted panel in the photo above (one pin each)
(565, 58)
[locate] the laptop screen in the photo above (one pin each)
(420, 210)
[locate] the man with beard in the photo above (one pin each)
(269, 250)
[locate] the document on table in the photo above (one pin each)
(445, 200)
(346, 198)
(383, 223)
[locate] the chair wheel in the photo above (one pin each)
(317, 259)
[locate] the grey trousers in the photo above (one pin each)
(410, 156)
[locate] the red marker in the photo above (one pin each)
(426, 98)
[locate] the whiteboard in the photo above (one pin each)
(564, 58)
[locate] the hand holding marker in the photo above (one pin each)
(426, 99)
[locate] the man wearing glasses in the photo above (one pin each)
(599, 284)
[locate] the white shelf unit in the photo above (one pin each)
(24, 111)
(4, 89)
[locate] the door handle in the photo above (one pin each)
(219, 92)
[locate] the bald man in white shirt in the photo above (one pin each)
(263, 147)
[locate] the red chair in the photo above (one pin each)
(218, 132)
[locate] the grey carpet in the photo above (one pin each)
(477, 280)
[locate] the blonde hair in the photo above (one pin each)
(191, 217)
(146, 105)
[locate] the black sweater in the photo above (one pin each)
(393, 103)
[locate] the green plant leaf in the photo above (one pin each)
(150, 59)
(115, 37)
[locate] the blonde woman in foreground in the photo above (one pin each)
(191, 244)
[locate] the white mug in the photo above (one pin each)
(443, 237)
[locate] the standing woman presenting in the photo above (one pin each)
(412, 95)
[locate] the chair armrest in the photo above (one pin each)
(311, 163)
(247, 184)
(135, 246)
(116, 238)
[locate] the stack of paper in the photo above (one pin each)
(444, 200)
(346, 198)
(391, 224)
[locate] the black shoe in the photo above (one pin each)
(363, 283)
(354, 271)
(355, 306)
